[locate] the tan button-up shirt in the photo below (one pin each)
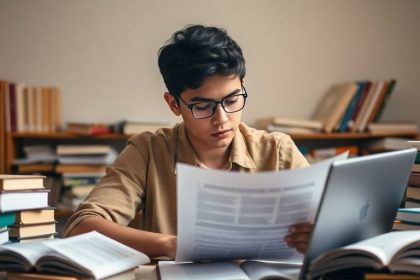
(143, 177)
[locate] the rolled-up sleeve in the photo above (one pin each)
(290, 156)
(119, 195)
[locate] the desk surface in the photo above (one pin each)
(147, 272)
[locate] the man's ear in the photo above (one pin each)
(173, 105)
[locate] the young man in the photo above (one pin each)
(203, 69)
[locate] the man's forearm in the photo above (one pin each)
(150, 243)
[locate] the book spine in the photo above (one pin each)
(356, 114)
(12, 107)
(385, 100)
(347, 115)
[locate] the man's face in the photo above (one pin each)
(218, 130)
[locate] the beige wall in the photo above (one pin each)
(103, 53)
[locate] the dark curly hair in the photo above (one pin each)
(196, 52)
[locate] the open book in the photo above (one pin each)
(89, 255)
(395, 251)
(246, 270)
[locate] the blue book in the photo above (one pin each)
(409, 215)
(349, 111)
(7, 219)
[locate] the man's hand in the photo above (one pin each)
(169, 245)
(299, 236)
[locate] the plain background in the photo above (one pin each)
(103, 53)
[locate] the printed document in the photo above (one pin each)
(236, 215)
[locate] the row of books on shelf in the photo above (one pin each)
(68, 154)
(25, 214)
(30, 108)
(74, 169)
(345, 107)
(122, 127)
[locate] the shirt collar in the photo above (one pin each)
(239, 152)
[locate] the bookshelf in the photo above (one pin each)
(328, 140)
(16, 140)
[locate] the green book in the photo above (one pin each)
(7, 219)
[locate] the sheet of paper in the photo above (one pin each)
(230, 215)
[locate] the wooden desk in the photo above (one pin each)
(147, 272)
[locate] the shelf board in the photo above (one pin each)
(118, 136)
(348, 135)
(67, 135)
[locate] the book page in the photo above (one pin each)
(30, 251)
(386, 246)
(271, 270)
(375, 252)
(100, 255)
(232, 215)
(169, 270)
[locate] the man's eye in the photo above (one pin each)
(202, 106)
(230, 100)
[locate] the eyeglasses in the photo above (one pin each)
(206, 109)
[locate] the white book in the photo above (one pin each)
(394, 251)
(22, 200)
(91, 255)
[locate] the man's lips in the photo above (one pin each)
(219, 133)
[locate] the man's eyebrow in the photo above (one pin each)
(200, 99)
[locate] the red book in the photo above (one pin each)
(88, 128)
(12, 106)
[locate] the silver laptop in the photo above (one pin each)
(360, 200)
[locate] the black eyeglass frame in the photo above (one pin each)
(190, 106)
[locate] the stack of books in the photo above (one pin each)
(345, 107)
(88, 128)
(408, 218)
(24, 211)
(413, 189)
(86, 154)
(324, 153)
(135, 127)
(76, 187)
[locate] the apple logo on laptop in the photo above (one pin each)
(363, 211)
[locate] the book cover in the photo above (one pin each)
(314, 125)
(385, 100)
(28, 230)
(12, 107)
(359, 105)
(410, 215)
(333, 105)
(22, 200)
(21, 182)
(35, 216)
(389, 128)
(83, 149)
(6, 219)
(344, 124)
(88, 128)
(378, 102)
(370, 104)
